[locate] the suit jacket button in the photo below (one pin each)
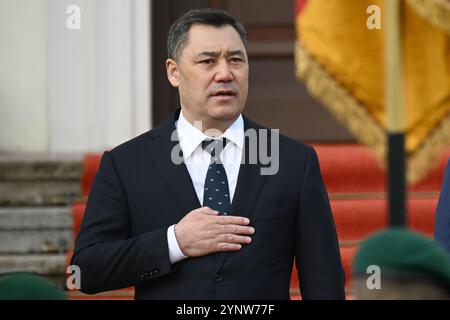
(218, 277)
(156, 271)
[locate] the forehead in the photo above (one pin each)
(210, 38)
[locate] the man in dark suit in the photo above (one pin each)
(442, 224)
(209, 226)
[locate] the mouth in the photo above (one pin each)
(224, 93)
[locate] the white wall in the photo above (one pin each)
(73, 91)
(98, 75)
(23, 76)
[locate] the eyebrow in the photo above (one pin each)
(216, 54)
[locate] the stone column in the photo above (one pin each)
(23, 76)
(99, 77)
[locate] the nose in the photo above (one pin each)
(223, 73)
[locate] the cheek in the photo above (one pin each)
(242, 78)
(195, 95)
(243, 83)
(197, 86)
(192, 88)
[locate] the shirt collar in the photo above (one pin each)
(190, 137)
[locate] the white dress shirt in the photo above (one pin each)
(197, 162)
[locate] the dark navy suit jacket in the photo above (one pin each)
(139, 192)
(442, 224)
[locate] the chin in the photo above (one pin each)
(225, 113)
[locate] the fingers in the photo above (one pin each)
(233, 238)
(228, 247)
(231, 242)
(225, 219)
(236, 229)
(233, 220)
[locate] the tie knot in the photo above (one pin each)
(211, 145)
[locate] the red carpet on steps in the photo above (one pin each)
(350, 168)
(355, 219)
(91, 163)
(356, 183)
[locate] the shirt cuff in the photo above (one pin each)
(175, 253)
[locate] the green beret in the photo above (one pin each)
(398, 252)
(26, 286)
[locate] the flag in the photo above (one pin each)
(341, 59)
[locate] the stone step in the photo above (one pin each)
(37, 218)
(38, 168)
(35, 230)
(44, 264)
(38, 193)
(27, 180)
(44, 241)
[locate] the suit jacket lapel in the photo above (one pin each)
(175, 175)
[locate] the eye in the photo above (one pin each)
(206, 61)
(236, 59)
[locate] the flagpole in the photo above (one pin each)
(395, 114)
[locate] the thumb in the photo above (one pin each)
(209, 211)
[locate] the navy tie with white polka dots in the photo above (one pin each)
(216, 194)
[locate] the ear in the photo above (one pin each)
(173, 73)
